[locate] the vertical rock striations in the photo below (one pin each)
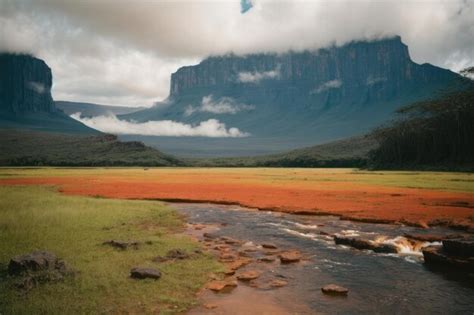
(368, 65)
(25, 84)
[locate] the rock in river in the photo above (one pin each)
(248, 275)
(463, 247)
(143, 273)
(438, 257)
(365, 244)
(222, 286)
(290, 257)
(334, 289)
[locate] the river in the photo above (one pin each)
(378, 283)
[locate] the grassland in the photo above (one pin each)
(74, 228)
(415, 198)
(442, 181)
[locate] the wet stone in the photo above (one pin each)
(248, 275)
(223, 286)
(333, 289)
(277, 283)
(290, 257)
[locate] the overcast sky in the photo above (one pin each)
(122, 52)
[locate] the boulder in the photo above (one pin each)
(35, 261)
(436, 256)
(269, 246)
(290, 257)
(463, 247)
(333, 289)
(248, 275)
(365, 244)
(267, 259)
(144, 273)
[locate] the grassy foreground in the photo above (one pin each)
(74, 229)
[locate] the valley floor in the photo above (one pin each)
(412, 198)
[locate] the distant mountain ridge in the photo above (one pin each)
(297, 99)
(25, 97)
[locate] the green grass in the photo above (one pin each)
(74, 228)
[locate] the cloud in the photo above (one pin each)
(224, 105)
(91, 44)
(37, 87)
(372, 81)
(333, 84)
(256, 77)
(209, 128)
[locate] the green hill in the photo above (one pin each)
(34, 148)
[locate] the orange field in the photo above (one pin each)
(411, 198)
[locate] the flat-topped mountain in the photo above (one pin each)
(25, 97)
(295, 99)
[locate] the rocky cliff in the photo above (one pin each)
(296, 99)
(25, 97)
(25, 84)
(352, 66)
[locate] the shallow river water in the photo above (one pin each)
(378, 283)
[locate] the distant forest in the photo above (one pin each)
(432, 134)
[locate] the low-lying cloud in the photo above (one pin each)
(333, 84)
(212, 128)
(224, 105)
(256, 77)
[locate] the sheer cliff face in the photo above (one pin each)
(352, 66)
(25, 84)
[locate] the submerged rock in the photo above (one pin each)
(333, 289)
(144, 273)
(277, 283)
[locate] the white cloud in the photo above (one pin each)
(255, 77)
(333, 84)
(224, 105)
(209, 128)
(98, 55)
(37, 87)
(372, 81)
